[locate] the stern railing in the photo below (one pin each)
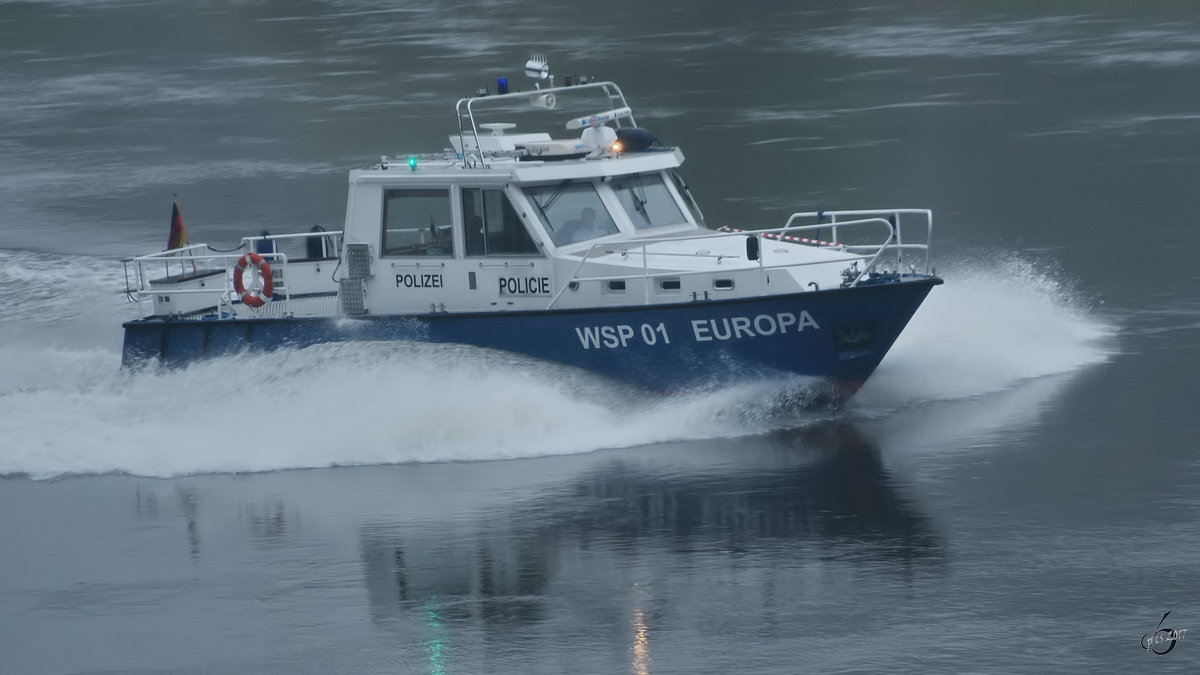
(187, 271)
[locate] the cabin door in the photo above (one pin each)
(507, 270)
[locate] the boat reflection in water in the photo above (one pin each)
(672, 528)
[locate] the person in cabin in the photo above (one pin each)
(581, 228)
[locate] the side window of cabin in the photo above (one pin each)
(492, 225)
(647, 201)
(417, 222)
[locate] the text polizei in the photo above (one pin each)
(419, 281)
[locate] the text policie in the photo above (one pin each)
(703, 330)
(524, 285)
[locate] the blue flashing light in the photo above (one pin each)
(502, 85)
(412, 163)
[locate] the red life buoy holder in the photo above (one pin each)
(261, 288)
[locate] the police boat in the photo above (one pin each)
(582, 246)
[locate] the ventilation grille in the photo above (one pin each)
(350, 292)
(358, 261)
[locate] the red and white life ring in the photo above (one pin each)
(261, 288)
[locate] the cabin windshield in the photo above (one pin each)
(648, 201)
(571, 212)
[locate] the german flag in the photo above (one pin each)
(178, 238)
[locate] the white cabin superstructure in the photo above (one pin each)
(525, 221)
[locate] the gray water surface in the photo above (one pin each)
(1015, 491)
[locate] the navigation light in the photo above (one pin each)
(634, 139)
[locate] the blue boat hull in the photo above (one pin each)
(837, 335)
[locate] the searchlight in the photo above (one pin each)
(537, 68)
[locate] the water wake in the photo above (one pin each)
(72, 410)
(996, 322)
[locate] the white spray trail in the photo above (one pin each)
(994, 324)
(66, 409)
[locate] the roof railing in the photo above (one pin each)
(468, 127)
